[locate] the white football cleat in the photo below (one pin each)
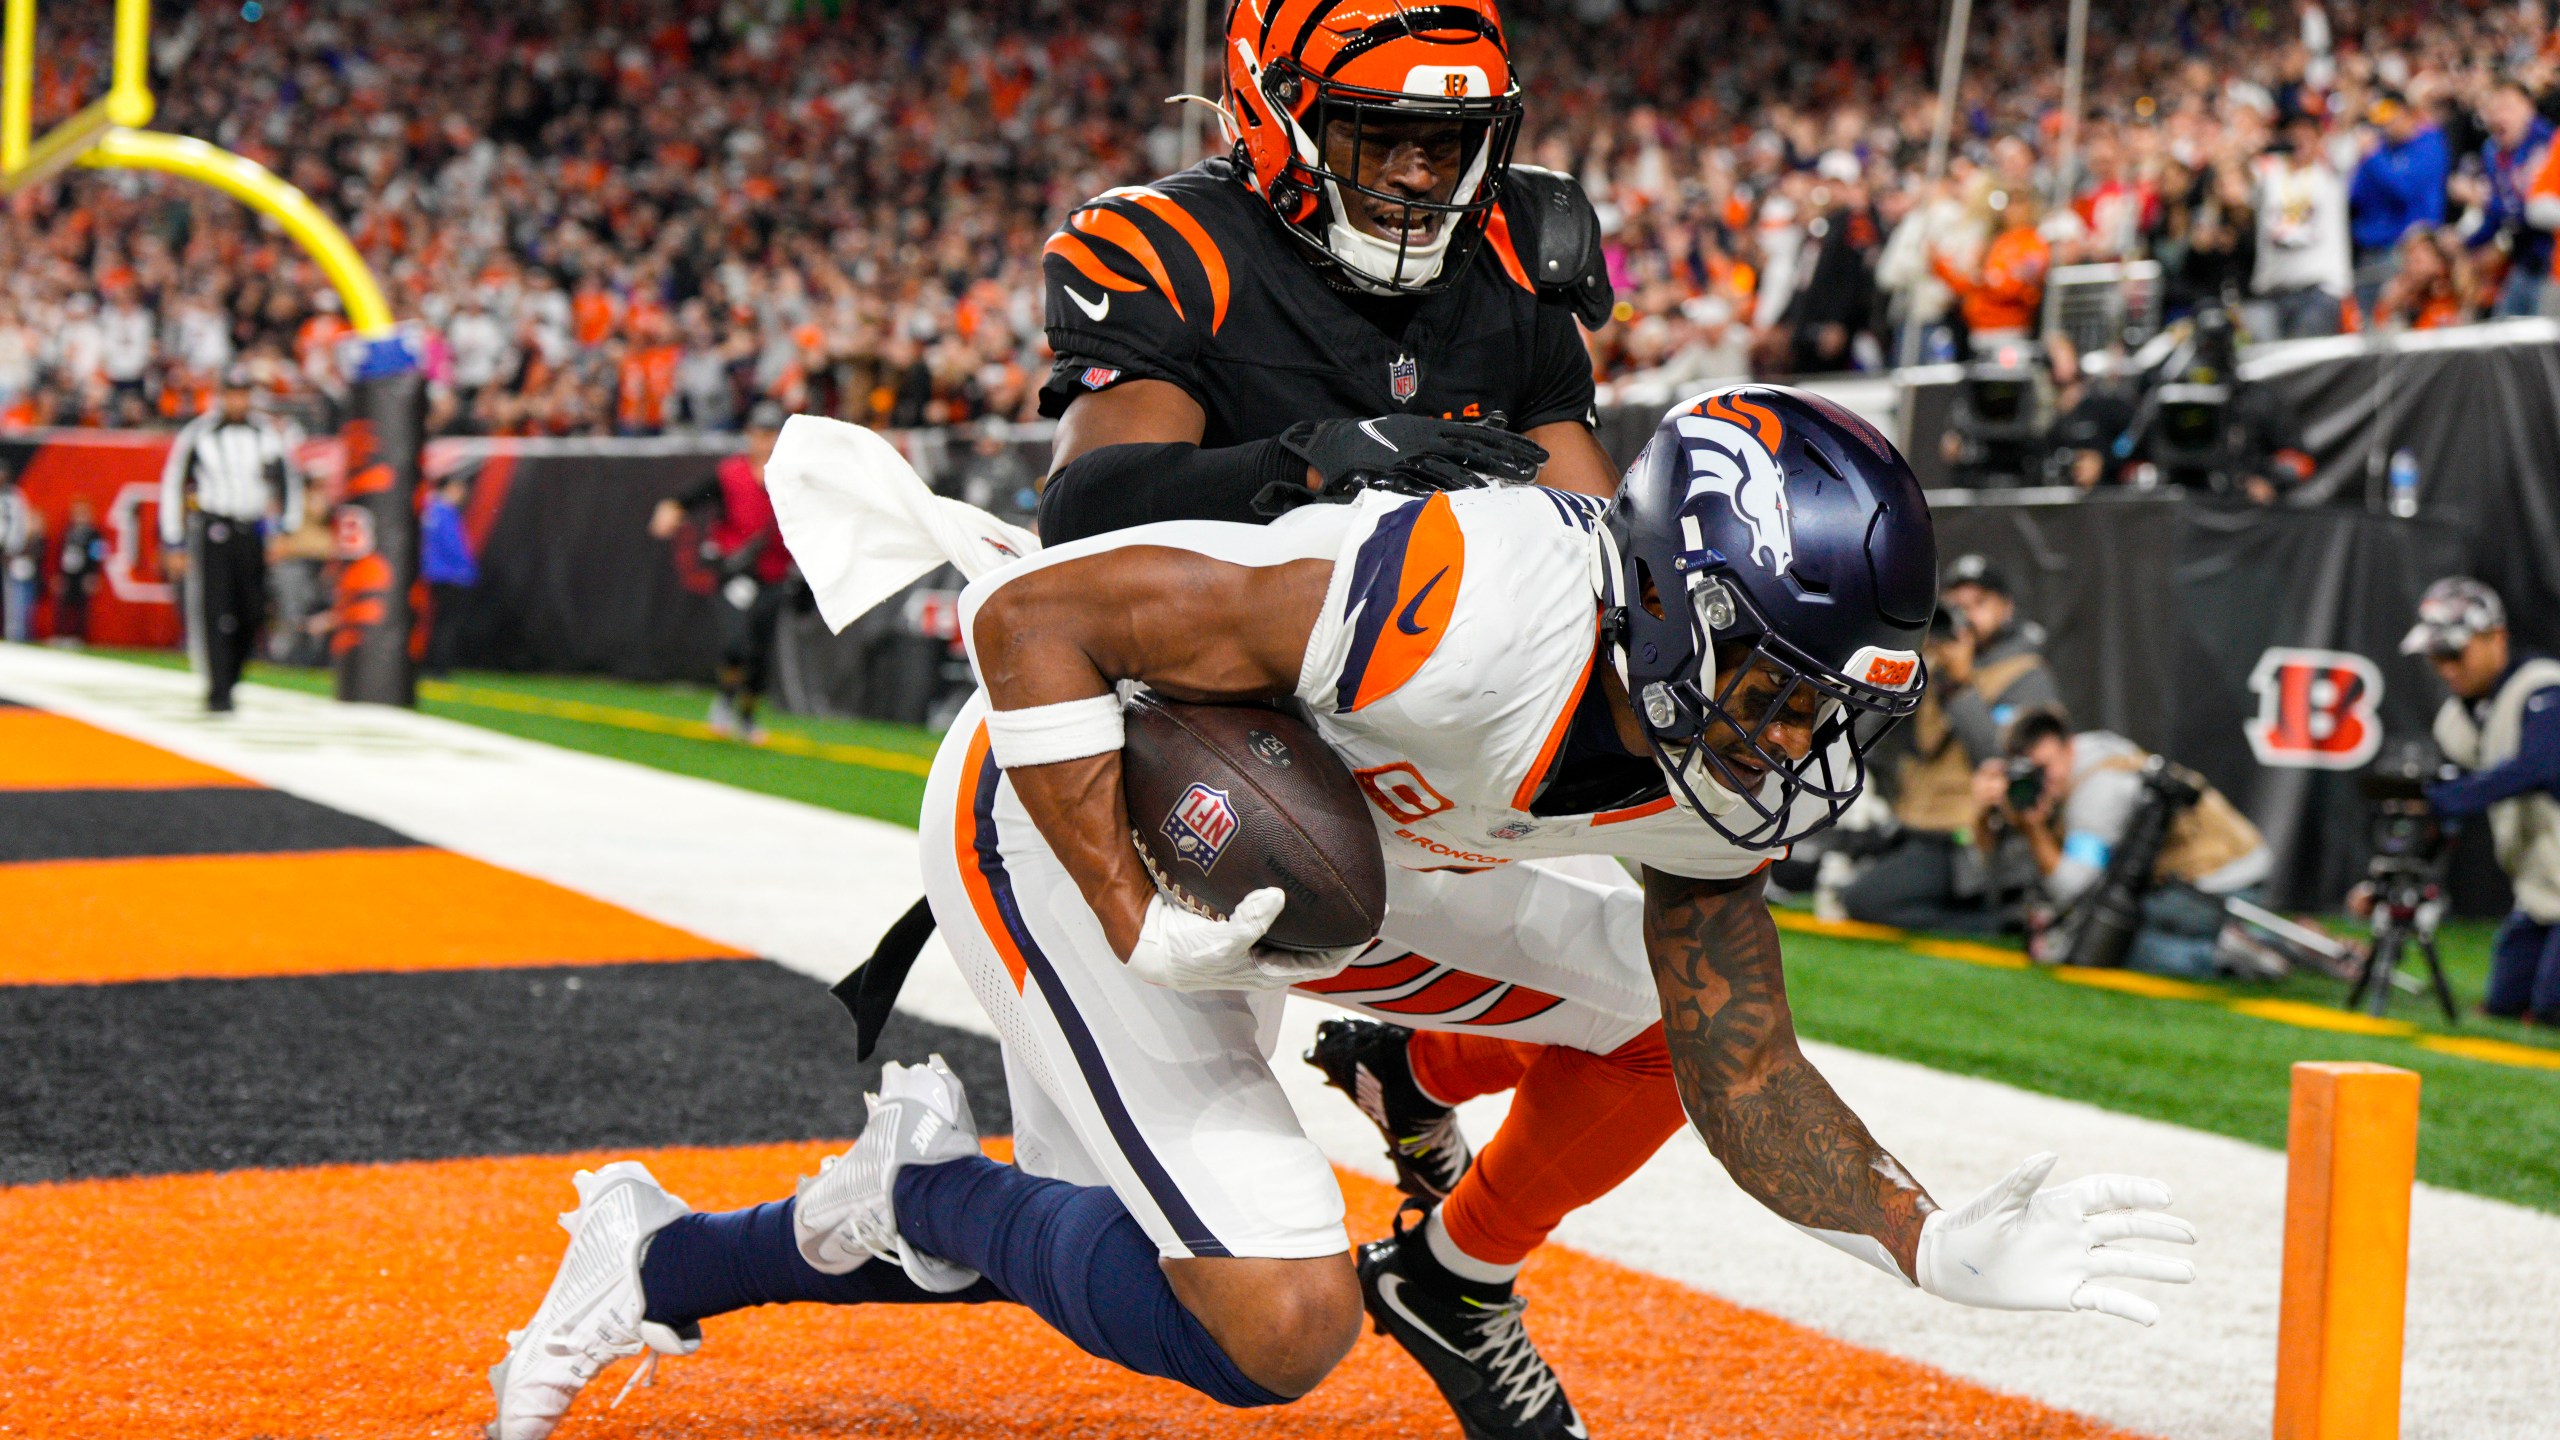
(592, 1315)
(843, 1216)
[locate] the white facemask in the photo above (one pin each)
(1385, 262)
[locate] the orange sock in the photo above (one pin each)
(1579, 1124)
(1453, 1068)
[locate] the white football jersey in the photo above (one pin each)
(1456, 639)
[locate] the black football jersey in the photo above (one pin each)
(1192, 280)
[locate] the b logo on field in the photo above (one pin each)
(1400, 790)
(2317, 709)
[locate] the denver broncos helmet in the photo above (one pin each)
(1314, 85)
(1765, 525)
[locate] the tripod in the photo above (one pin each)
(2408, 905)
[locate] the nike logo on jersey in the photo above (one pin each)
(1094, 310)
(1404, 618)
(1367, 427)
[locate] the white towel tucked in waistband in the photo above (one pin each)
(864, 526)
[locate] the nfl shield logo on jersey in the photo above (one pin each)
(1099, 377)
(1200, 826)
(1404, 378)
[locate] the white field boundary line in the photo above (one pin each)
(814, 889)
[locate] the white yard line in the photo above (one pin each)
(814, 889)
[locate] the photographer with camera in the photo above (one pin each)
(1986, 667)
(2140, 853)
(2502, 725)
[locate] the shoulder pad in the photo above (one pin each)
(1563, 252)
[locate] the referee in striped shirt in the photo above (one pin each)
(228, 476)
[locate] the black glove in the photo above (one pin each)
(1411, 454)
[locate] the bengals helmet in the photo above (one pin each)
(1767, 527)
(1313, 86)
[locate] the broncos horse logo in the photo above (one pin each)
(1731, 444)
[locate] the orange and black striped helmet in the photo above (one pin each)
(1322, 93)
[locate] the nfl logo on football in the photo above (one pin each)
(1404, 378)
(1200, 826)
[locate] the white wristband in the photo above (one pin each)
(1047, 734)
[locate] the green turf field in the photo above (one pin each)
(2489, 1128)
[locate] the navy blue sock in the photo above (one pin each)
(1076, 1258)
(705, 1265)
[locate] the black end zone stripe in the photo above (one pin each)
(123, 824)
(1168, 1196)
(186, 1075)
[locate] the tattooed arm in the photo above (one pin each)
(1766, 1113)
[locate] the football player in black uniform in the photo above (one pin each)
(1364, 291)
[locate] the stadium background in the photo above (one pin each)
(614, 227)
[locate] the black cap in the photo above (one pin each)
(1975, 570)
(767, 415)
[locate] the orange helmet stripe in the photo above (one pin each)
(1121, 231)
(1213, 261)
(1075, 252)
(1760, 420)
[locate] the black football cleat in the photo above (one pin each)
(1468, 1338)
(1366, 1061)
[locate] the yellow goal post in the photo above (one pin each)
(107, 133)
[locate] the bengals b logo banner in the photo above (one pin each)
(2317, 709)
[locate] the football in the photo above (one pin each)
(1226, 799)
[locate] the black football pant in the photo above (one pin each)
(231, 595)
(748, 634)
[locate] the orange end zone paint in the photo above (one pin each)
(41, 751)
(369, 1301)
(75, 922)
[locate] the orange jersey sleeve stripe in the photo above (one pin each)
(1521, 1003)
(1120, 230)
(1213, 261)
(1384, 975)
(1075, 252)
(1497, 233)
(1453, 991)
(1536, 779)
(973, 838)
(1406, 585)
(1633, 812)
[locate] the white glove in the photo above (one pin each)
(1183, 951)
(2015, 1247)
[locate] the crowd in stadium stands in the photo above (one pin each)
(642, 215)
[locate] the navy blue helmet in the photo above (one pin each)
(1775, 527)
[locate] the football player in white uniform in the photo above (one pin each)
(1691, 677)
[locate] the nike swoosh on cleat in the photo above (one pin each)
(1404, 620)
(1573, 1427)
(1093, 310)
(1367, 427)
(1388, 1285)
